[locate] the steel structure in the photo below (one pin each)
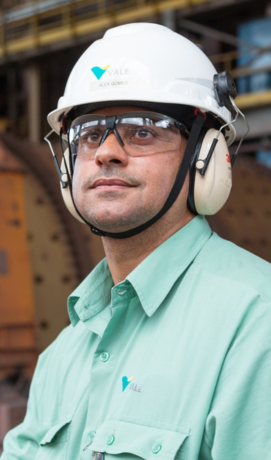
(43, 23)
(30, 28)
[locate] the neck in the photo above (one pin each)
(124, 255)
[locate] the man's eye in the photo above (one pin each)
(143, 134)
(91, 137)
(94, 137)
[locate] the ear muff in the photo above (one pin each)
(66, 192)
(209, 192)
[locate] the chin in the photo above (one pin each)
(105, 222)
(114, 224)
(117, 218)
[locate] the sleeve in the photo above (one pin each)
(22, 442)
(238, 425)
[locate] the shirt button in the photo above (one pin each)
(104, 356)
(91, 435)
(110, 440)
(156, 448)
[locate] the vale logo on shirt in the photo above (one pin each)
(125, 382)
(132, 386)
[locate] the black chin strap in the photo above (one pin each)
(177, 187)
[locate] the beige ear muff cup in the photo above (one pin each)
(66, 193)
(209, 193)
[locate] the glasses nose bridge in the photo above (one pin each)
(110, 124)
(111, 150)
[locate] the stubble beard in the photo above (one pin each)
(111, 211)
(113, 216)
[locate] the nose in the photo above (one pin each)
(111, 152)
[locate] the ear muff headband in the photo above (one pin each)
(209, 192)
(66, 192)
(192, 174)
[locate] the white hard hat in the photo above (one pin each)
(149, 66)
(146, 65)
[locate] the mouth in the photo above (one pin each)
(110, 184)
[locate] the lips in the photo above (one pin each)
(110, 183)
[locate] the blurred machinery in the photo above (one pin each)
(44, 252)
(59, 253)
(18, 343)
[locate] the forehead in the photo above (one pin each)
(120, 109)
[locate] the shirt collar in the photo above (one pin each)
(155, 276)
(165, 264)
(92, 295)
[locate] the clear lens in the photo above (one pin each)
(142, 133)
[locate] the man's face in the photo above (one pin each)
(117, 192)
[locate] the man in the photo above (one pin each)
(168, 353)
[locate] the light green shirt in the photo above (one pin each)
(174, 362)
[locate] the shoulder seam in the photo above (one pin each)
(246, 285)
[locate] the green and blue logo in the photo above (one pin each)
(125, 382)
(98, 71)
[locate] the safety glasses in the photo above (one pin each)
(139, 133)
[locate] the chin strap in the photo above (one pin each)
(175, 191)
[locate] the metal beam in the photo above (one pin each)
(216, 34)
(258, 119)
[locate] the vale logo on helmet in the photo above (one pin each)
(100, 71)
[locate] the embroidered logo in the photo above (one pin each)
(135, 387)
(98, 71)
(125, 382)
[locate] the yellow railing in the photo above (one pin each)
(81, 17)
(85, 17)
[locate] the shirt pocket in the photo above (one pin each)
(131, 440)
(54, 443)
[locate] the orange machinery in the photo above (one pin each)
(18, 344)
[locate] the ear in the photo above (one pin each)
(66, 192)
(209, 193)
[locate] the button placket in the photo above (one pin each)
(104, 359)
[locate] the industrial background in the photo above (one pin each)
(44, 252)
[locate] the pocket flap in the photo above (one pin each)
(52, 433)
(116, 437)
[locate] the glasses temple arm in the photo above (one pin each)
(59, 172)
